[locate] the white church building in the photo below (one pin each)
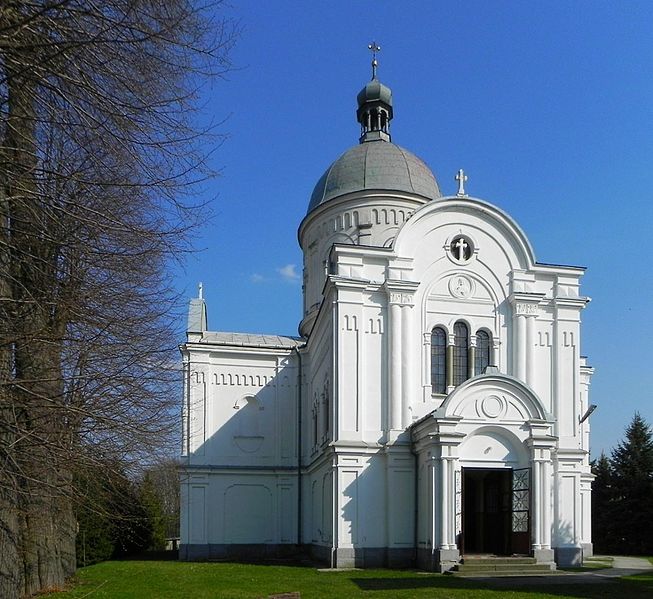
(434, 405)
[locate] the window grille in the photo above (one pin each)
(460, 349)
(482, 359)
(438, 360)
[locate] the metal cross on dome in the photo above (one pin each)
(461, 177)
(374, 48)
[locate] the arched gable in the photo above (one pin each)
(520, 253)
(494, 398)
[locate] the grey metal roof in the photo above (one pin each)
(252, 340)
(197, 321)
(378, 165)
(375, 91)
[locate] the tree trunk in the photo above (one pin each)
(37, 549)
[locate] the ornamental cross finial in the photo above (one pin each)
(461, 246)
(374, 48)
(200, 289)
(461, 177)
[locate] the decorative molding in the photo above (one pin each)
(568, 339)
(350, 322)
(403, 299)
(374, 326)
(400, 292)
(492, 406)
(526, 309)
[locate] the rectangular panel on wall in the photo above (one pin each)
(327, 507)
(197, 511)
(348, 365)
(349, 507)
(568, 498)
(286, 430)
(248, 513)
(567, 368)
(402, 516)
(197, 413)
(374, 373)
(286, 512)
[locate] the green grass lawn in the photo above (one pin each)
(172, 580)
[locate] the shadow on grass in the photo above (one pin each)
(414, 582)
(631, 587)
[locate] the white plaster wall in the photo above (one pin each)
(238, 508)
(242, 407)
(338, 222)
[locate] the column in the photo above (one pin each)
(449, 364)
(519, 347)
(436, 540)
(394, 366)
(471, 357)
(536, 503)
(444, 503)
(530, 347)
(407, 372)
(546, 504)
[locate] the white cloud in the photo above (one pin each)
(256, 278)
(289, 273)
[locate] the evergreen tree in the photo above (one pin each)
(602, 505)
(632, 488)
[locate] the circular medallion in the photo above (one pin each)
(460, 286)
(492, 406)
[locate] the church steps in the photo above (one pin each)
(502, 566)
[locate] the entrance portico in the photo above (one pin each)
(484, 472)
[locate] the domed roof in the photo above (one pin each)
(375, 165)
(374, 91)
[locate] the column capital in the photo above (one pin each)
(525, 303)
(400, 293)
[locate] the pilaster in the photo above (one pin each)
(400, 296)
(541, 445)
(525, 309)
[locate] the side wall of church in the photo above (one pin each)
(239, 464)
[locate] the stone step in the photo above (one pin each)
(498, 560)
(504, 574)
(502, 567)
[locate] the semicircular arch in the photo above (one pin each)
(494, 398)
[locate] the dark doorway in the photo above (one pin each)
(487, 501)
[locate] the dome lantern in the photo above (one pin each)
(374, 106)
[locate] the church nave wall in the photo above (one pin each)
(241, 409)
(233, 514)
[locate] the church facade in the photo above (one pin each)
(434, 405)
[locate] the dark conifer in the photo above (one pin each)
(632, 489)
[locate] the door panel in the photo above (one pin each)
(520, 517)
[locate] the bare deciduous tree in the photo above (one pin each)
(98, 152)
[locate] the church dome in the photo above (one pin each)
(375, 165)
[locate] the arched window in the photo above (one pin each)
(460, 349)
(438, 360)
(483, 344)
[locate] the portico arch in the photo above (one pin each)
(490, 444)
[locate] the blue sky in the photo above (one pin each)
(548, 106)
